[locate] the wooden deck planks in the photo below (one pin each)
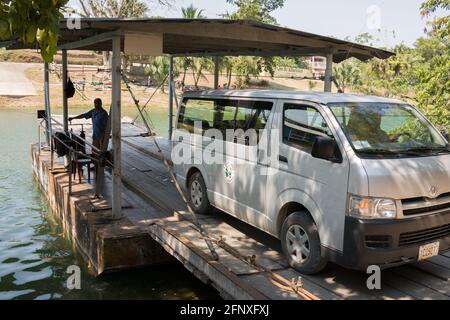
(441, 261)
(433, 269)
(423, 279)
(411, 288)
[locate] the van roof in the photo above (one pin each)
(318, 97)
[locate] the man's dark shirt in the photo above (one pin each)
(99, 122)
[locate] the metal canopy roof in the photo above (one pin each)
(211, 37)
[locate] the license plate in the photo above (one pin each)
(429, 250)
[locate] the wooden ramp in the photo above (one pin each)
(165, 217)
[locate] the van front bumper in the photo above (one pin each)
(388, 243)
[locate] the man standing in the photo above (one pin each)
(99, 118)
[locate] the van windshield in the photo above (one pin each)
(388, 129)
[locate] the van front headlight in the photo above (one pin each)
(372, 208)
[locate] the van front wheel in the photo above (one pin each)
(301, 243)
(198, 196)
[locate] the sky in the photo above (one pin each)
(336, 18)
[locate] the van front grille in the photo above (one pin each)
(421, 199)
(410, 212)
(421, 205)
(423, 236)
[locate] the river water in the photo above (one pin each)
(34, 254)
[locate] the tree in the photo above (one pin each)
(441, 26)
(187, 63)
(347, 74)
(192, 12)
(33, 22)
(184, 64)
(199, 65)
(118, 8)
(159, 71)
(419, 74)
(258, 10)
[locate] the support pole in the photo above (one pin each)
(171, 96)
(64, 93)
(116, 128)
(216, 72)
(47, 103)
(328, 73)
(39, 140)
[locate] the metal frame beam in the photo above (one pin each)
(48, 110)
(259, 53)
(116, 128)
(328, 73)
(64, 93)
(171, 96)
(102, 37)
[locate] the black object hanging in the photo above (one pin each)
(70, 89)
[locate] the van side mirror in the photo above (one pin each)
(326, 148)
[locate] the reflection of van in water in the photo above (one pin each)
(356, 180)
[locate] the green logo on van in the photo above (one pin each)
(228, 172)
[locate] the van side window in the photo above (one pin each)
(196, 110)
(225, 113)
(252, 115)
(302, 124)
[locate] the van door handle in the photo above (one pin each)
(283, 159)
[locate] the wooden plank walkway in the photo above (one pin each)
(158, 208)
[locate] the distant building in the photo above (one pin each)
(318, 66)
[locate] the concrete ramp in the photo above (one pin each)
(14, 82)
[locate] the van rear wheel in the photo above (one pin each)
(301, 243)
(197, 193)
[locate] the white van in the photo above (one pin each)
(356, 180)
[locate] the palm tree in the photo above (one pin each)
(184, 64)
(198, 66)
(159, 71)
(227, 63)
(347, 75)
(187, 63)
(192, 12)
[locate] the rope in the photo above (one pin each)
(169, 169)
(279, 281)
(151, 97)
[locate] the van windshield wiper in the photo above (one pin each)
(396, 153)
(419, 151)
(377, 151)
(428, 149)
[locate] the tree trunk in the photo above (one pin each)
(107, 61)
(184, 76)
(197, 79)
